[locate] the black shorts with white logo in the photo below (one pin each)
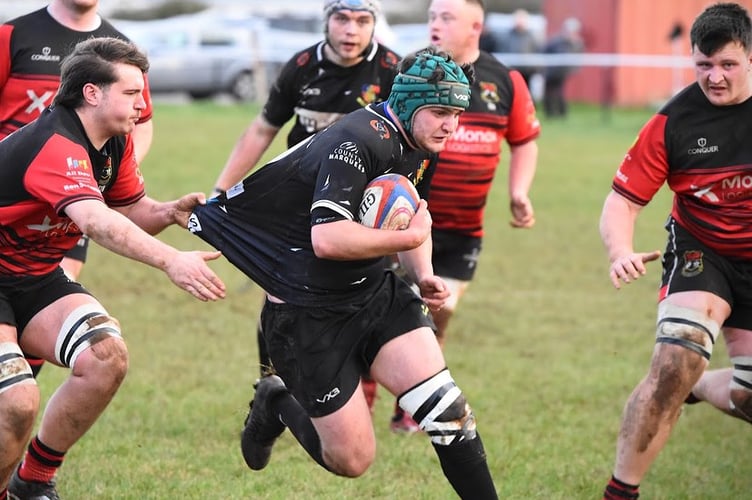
(321, 352)
(688, 265)
(455, 255)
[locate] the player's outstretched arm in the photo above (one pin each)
(115, 232)
(617, 232)
(153, 216)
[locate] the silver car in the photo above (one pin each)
(199, 59)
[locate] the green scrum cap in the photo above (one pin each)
(412, 89)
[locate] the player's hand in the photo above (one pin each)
(190, 272)
(184, 207)
(420, 224)
(434, 292)
(523, 215)
(630, 267)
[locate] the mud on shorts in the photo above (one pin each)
(22, 297)
(688, 265)
(321, 352)
(455, 255)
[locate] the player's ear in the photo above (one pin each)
(92, 93)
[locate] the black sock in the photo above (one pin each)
(619, 490)
(465, 467)
(265, 363)
(297, 420)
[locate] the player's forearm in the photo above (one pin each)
(617, 225)
(347, 240)
(417, 262)
(118, 234)
(522, 167)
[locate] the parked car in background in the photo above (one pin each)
(198, 58)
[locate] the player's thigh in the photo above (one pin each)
(348, 431)
(43, 330)
(407, 360)
(738, 342)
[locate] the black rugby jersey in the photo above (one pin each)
(704, 154)
(31, 50)
(263, 225)
(318, 92)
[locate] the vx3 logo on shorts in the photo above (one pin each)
(328, 396)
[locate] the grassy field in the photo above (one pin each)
(546, 350)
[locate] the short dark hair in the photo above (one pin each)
(720, 24)
(92, 61)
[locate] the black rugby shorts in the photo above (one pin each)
(24, 296)
(688, 265)
(321, 352)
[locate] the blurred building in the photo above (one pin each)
(630, 28)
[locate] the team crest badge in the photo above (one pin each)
(105, 175)
(368, 94)
(692, 263)
(489, 92)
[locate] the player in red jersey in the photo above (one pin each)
(31, 49)
(73, 170)
(501, 110)
(697, 144)
(317, 86)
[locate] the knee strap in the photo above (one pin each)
(14, 369)
(84, 327)
(741, 380)
(689, 328)
(440, 409)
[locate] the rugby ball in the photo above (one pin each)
(389, 202)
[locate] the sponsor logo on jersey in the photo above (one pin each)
(474, 140)
(731, 189)
(702, 148)
(303, 59)
(389, 60)
(381, 128)
(50, 230)
(368, 94)
(46, 56)
(347, 152)
(74, 164)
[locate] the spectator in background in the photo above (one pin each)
(520, 40)
(567, 41)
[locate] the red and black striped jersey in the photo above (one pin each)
(48, 165)
(31, 50)
(704, 154)
(319, 92)
(501, 109)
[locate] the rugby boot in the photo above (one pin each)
(262, 425)
(18, 489)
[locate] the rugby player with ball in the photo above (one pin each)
(332, 311)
